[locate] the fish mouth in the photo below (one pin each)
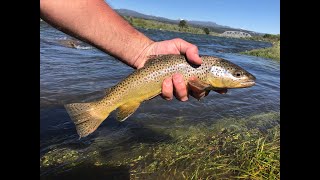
(248, 83)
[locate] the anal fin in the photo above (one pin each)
(197, 85)
(126, 110)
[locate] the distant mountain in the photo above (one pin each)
(207, 24)
(127, 12)
(201, 24)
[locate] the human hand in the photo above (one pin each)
(175, 85)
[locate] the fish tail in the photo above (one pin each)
(87, 116)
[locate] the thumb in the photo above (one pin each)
(188, 49)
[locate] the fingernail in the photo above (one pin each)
(184, 98)
(199, 58)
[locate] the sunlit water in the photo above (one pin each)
(82, 73)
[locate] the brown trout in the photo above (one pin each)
(145, 83)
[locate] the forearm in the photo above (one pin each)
(93, 21)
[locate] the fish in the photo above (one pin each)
(145, 83)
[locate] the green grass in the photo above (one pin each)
(247, 148)
(267, 37)
(272, 52)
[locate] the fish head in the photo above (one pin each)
(225, 74)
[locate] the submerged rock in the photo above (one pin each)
(69, 43)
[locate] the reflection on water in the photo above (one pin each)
(77, 74)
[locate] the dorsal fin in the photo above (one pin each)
(153, 58)
(150, 59)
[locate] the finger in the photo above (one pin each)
(167, 89)
(190, 50)
(180, 87)
(193, 55)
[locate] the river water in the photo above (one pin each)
(82, 73)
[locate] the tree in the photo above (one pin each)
(206, 30)
(183, 24)
(267, 36)
(272, 37)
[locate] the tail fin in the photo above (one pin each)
(87, 116)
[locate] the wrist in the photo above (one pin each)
(141, 57)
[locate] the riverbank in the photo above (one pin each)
(152, 24)
(271, 52)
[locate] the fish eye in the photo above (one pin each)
(238, 74)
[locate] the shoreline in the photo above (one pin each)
(270, 53)
(152, 24)
(157, 25)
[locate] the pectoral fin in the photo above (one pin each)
(126, 110)
(198, 88)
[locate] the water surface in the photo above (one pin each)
(82, 73)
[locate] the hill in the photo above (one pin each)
(212, 26)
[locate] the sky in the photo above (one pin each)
(256, 15)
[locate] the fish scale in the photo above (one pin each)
(145, 83)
